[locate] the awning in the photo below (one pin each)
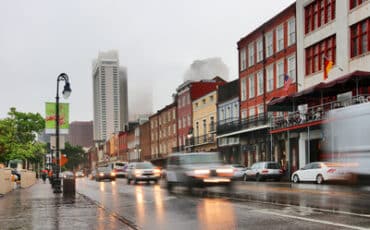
(340, 85)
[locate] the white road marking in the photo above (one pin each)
(312, 220)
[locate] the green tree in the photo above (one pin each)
(18, 136)
(75, 155)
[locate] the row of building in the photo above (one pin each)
(274, 110)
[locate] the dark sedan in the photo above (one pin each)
(104, 173)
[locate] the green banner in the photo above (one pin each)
(50, 117)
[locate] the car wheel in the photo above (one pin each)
(258, 177)
(295, 179)
(319, 179)
(245, 177)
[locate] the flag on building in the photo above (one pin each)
(328, 64)
(287, 82)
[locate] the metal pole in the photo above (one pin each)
(57, 183)
(308, 160)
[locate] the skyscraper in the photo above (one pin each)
(109, 95)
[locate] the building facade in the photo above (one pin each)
(81, 134)
(267, 69)
(145, 143)
(167, 120)
(154, 135)
(109, 95)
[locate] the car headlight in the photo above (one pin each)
(101, 174)
(201, 171)
(137, 172)
(157, 171)
(112, 174)
(226, 170)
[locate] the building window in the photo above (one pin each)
(360, 38)
(291, 32)
(316, 53)
(236, 111)
(270, 78)
(252, 112)
(189, 120)
(318, 13)
(183, 122)
(179, 124)
(259, 50)
(280, 74)
(244, 114)
(269, 47)
(211, 98)
(243, 59)
(279, 38)
(260, 83)
(291, 67)
(260, 109)
(354, 3)
(243, 90)
(251, 54)
(251, 86)
(204, 101)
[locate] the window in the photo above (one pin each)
(204, 101)
(196, 105)
(179, 124)
(260, 83)
(269, 47)
(183, 122)
(280, 74)
(244, 114)
(316, 53)
(354, 3)
(174, 114)
(174, 128)
(291, 67)
(211, 98)
(251, 86)
(243, 89)
(291, 31)
(279, 38)
(270, 78)
(360, 38)
(243, 59)
(236, 111)
(189, 120)
(259, 50)
(318, 13)
(252, 112)
(260, 109)
(250, 54)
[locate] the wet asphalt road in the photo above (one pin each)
(253, 206)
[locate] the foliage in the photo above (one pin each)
(76, 156)
(18, 134)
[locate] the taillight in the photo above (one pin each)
(331, 170)
(280, 171)
(265, 171)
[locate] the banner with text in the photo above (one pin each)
(50, 117)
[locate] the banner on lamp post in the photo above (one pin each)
(50, 117)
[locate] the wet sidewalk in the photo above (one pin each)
(38, 207)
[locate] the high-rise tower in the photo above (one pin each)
(110, 95)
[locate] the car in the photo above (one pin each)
(80, 174)
(263, 170)
(124, 171)
(92, 174)
(118, 167)
(239, 171)
(103, 173)
(142, 171)
(197, 169)
(320, 172)
(68, 175)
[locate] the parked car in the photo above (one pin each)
(124, 171)
(197, 169)
(239, 171)
(103, 173)
(142, 171)
(320, 172)
(264, 170)
(118, 167)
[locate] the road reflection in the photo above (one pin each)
(216, 214)
(140, 210)
(159, 203)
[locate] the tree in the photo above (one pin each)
(75, 155)
(18, 136)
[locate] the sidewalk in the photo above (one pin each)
(38, 207)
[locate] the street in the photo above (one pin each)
(250, 205)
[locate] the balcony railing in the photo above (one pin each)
(201, 140)
(212, 127)
(180, 148)
(314, 113)
(229, 125)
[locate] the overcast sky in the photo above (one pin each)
(157, 41)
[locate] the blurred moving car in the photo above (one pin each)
(320, 172)
(80, 173)
(197, 169)
(264, 170)
(239, 171)
(118, 167)
(142, 171)
(103, 173)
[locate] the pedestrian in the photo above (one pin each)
(43, 175)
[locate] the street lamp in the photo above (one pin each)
(66, 92)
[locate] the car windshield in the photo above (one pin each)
(103, 169)
(200, 159)
(145, 165)
(120, 164)
(273, 165)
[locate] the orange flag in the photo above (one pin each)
(327, 67)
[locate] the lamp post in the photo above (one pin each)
(66, 92)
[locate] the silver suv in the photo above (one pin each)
(197, 169)
(264, 170)
(142, 171)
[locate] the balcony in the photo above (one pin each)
(233, 124)
(201, 140)
(315, 113)
(212, 127)
(180, 148)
